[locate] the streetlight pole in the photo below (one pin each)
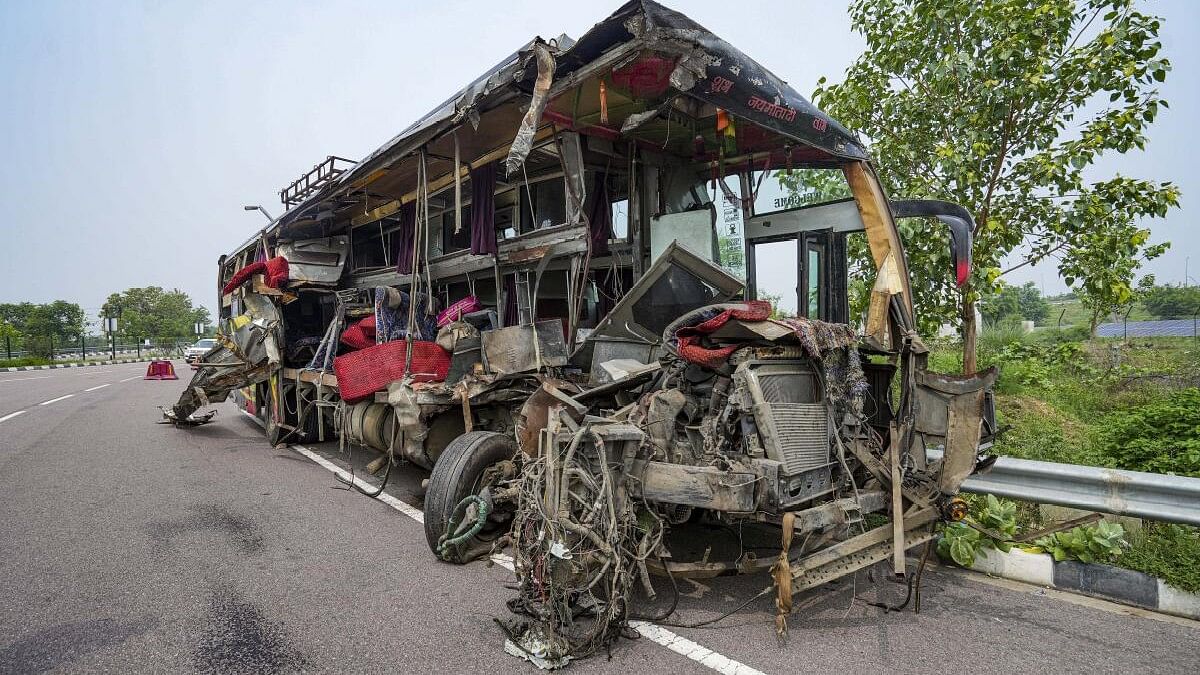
(256, 207)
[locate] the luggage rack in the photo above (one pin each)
(320, 175)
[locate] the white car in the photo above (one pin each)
(195, 352)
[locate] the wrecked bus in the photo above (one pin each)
(551, 293)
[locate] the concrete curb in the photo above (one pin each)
(20, 369)
(1097, 580)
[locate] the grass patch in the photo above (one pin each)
(24, 361)
(1042, 432)
(1169, 552)
(1073, 313)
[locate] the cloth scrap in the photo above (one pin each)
(275, 270)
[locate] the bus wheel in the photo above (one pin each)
(455, 496)
(266, 402)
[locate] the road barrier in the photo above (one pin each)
(95, 351)
(1154, 496)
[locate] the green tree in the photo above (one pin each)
(814, 186)
(1002, 105)
(7, 333)
(16, 314)
(1173, 302)
(1014, 303)
(52, 325)
(777, 309)
(1001, 305)
(151, 312)
(1033, 306)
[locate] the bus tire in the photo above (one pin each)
(457, 473)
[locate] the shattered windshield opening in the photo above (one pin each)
(675, 293)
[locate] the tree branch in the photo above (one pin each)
(1035, 259)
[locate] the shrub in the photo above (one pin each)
(1024, 363)
(1162, 436)
(997, 338)
(1087, 543)
(961, 543)
(1065, 334)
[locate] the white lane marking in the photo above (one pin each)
(18, 379)
(11, 415)
(657, 634)
(131, 378)
(56, 400)
(402, 507)
(101, 386)
(693, 650)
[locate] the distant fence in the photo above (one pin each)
(78, 352)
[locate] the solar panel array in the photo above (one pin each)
(1160, 328)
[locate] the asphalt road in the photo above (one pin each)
(126, 545)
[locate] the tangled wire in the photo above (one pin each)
(578, 542)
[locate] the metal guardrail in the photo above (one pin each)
(1154, 496)
(99, 352)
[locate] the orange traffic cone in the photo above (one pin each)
(160, 370)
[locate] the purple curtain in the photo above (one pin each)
(483, 209)
(511, 316)
(404, 237)
(599, 215)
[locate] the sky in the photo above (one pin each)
(132, 133)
